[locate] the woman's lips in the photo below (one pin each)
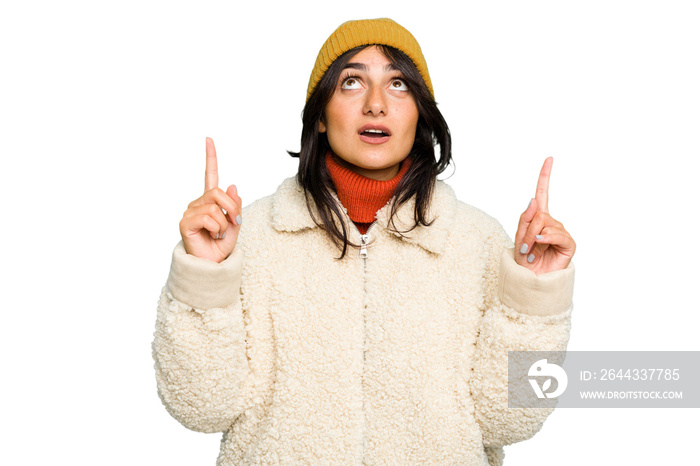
(373, 134)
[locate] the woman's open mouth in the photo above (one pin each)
(374, 134)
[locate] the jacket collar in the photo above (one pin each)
(289, 213)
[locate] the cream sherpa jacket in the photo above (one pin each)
(396, 358)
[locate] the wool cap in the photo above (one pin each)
(381, 31)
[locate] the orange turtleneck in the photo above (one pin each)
(362, 196)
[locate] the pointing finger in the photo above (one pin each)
(211, 175)
(542, 192)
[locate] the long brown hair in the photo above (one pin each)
(420, 178)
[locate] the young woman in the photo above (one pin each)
(361, 314)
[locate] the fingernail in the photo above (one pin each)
(529, 204)
(531, 258)
(223, 236)
(217, 236)
(538, 236)
(523, 248)
(239, 220)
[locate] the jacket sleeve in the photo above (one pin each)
(522, 312)
(199, 343)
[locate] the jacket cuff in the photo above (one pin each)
(522, 290)
(204, 284)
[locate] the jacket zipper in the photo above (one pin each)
(363, 246)
(363, 242)
(363, 255)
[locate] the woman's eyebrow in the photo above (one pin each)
(363, 67)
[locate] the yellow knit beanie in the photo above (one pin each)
(351, 34)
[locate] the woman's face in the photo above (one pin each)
(371, 119)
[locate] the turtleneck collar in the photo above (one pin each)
(362, 196)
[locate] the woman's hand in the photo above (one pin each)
(542, 244)
(210, 225)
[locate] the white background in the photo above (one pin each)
(104, 110)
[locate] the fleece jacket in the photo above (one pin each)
(398, 355)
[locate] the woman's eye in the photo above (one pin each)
(350, 83)
(399, 85)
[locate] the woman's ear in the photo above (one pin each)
(321, 126)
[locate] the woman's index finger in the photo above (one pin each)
(542, 192)
(211, 174)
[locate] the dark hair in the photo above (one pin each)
(420, 178)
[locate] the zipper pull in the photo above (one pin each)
(363, 246)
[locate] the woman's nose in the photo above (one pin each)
(375, 102)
